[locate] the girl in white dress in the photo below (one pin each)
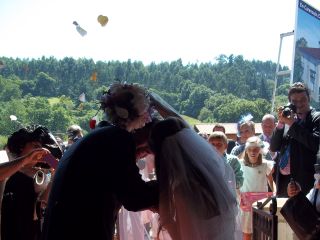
(257, 172)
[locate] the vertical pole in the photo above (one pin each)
(282, 35)
(276, 76)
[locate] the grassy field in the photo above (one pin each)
(53, 100)
(190, 120)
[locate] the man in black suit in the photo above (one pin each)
(296, 137)
(98, 174)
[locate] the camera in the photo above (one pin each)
(286, 110)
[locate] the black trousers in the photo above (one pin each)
(282, 184)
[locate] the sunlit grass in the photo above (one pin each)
(3, 141)
(190, 120)
(53, 100)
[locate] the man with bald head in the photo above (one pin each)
(268, 124)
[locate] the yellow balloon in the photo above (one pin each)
(103, 20)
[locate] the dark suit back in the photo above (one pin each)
(94, 178)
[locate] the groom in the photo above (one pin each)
(98, 174)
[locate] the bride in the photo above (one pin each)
(197, 201)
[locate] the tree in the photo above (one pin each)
(206, 115)
(45, 85)
(60, 120)
(9, 89)
(197, 98)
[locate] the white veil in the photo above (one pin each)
(197, 197)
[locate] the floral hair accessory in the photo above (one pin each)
(243, 119)
(124, 102)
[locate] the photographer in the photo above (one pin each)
(74, 133)
(34, 153)
(297, 138)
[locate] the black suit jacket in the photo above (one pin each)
(95, 177)
(303, 139)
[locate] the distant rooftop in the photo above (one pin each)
(231, 128)
(313, 52)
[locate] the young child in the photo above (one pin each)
(220, 142)
(257, 172)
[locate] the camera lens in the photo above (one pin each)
(286, 112)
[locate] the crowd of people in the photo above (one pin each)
(147, 165)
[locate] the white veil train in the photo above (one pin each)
(203, 204)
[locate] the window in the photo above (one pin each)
(312, 79)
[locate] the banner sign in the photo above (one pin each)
(306, 65)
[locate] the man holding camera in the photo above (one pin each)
(296, 136)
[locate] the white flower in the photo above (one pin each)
(121, 112)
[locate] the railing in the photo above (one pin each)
(265, 224)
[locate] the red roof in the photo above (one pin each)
(312, 52)
(231, 128)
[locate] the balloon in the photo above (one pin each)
(82, 97)
(92, 123)
(94, 76)
(80, 30)
(13, 118)
(103, 20)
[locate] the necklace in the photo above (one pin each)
(253, 164)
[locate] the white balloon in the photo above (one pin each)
(13, 118)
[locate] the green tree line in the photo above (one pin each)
(46, 90)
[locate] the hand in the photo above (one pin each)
(285, 120)
(293, 189)
(35, 156)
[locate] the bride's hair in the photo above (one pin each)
(190, 176)
(160, 131)
(164, 129)
(124, 102)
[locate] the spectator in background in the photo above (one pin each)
(219, 140)
(231, 142)
(296, 137)
(257, 173)
(74, 133)
(268, 124)
(246, 130)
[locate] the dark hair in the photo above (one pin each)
(18, 140)
(218, 125)
(164, 129)
(103, 123)
(298, 87)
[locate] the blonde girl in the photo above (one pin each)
(257, 174)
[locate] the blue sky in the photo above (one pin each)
(148, 30)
